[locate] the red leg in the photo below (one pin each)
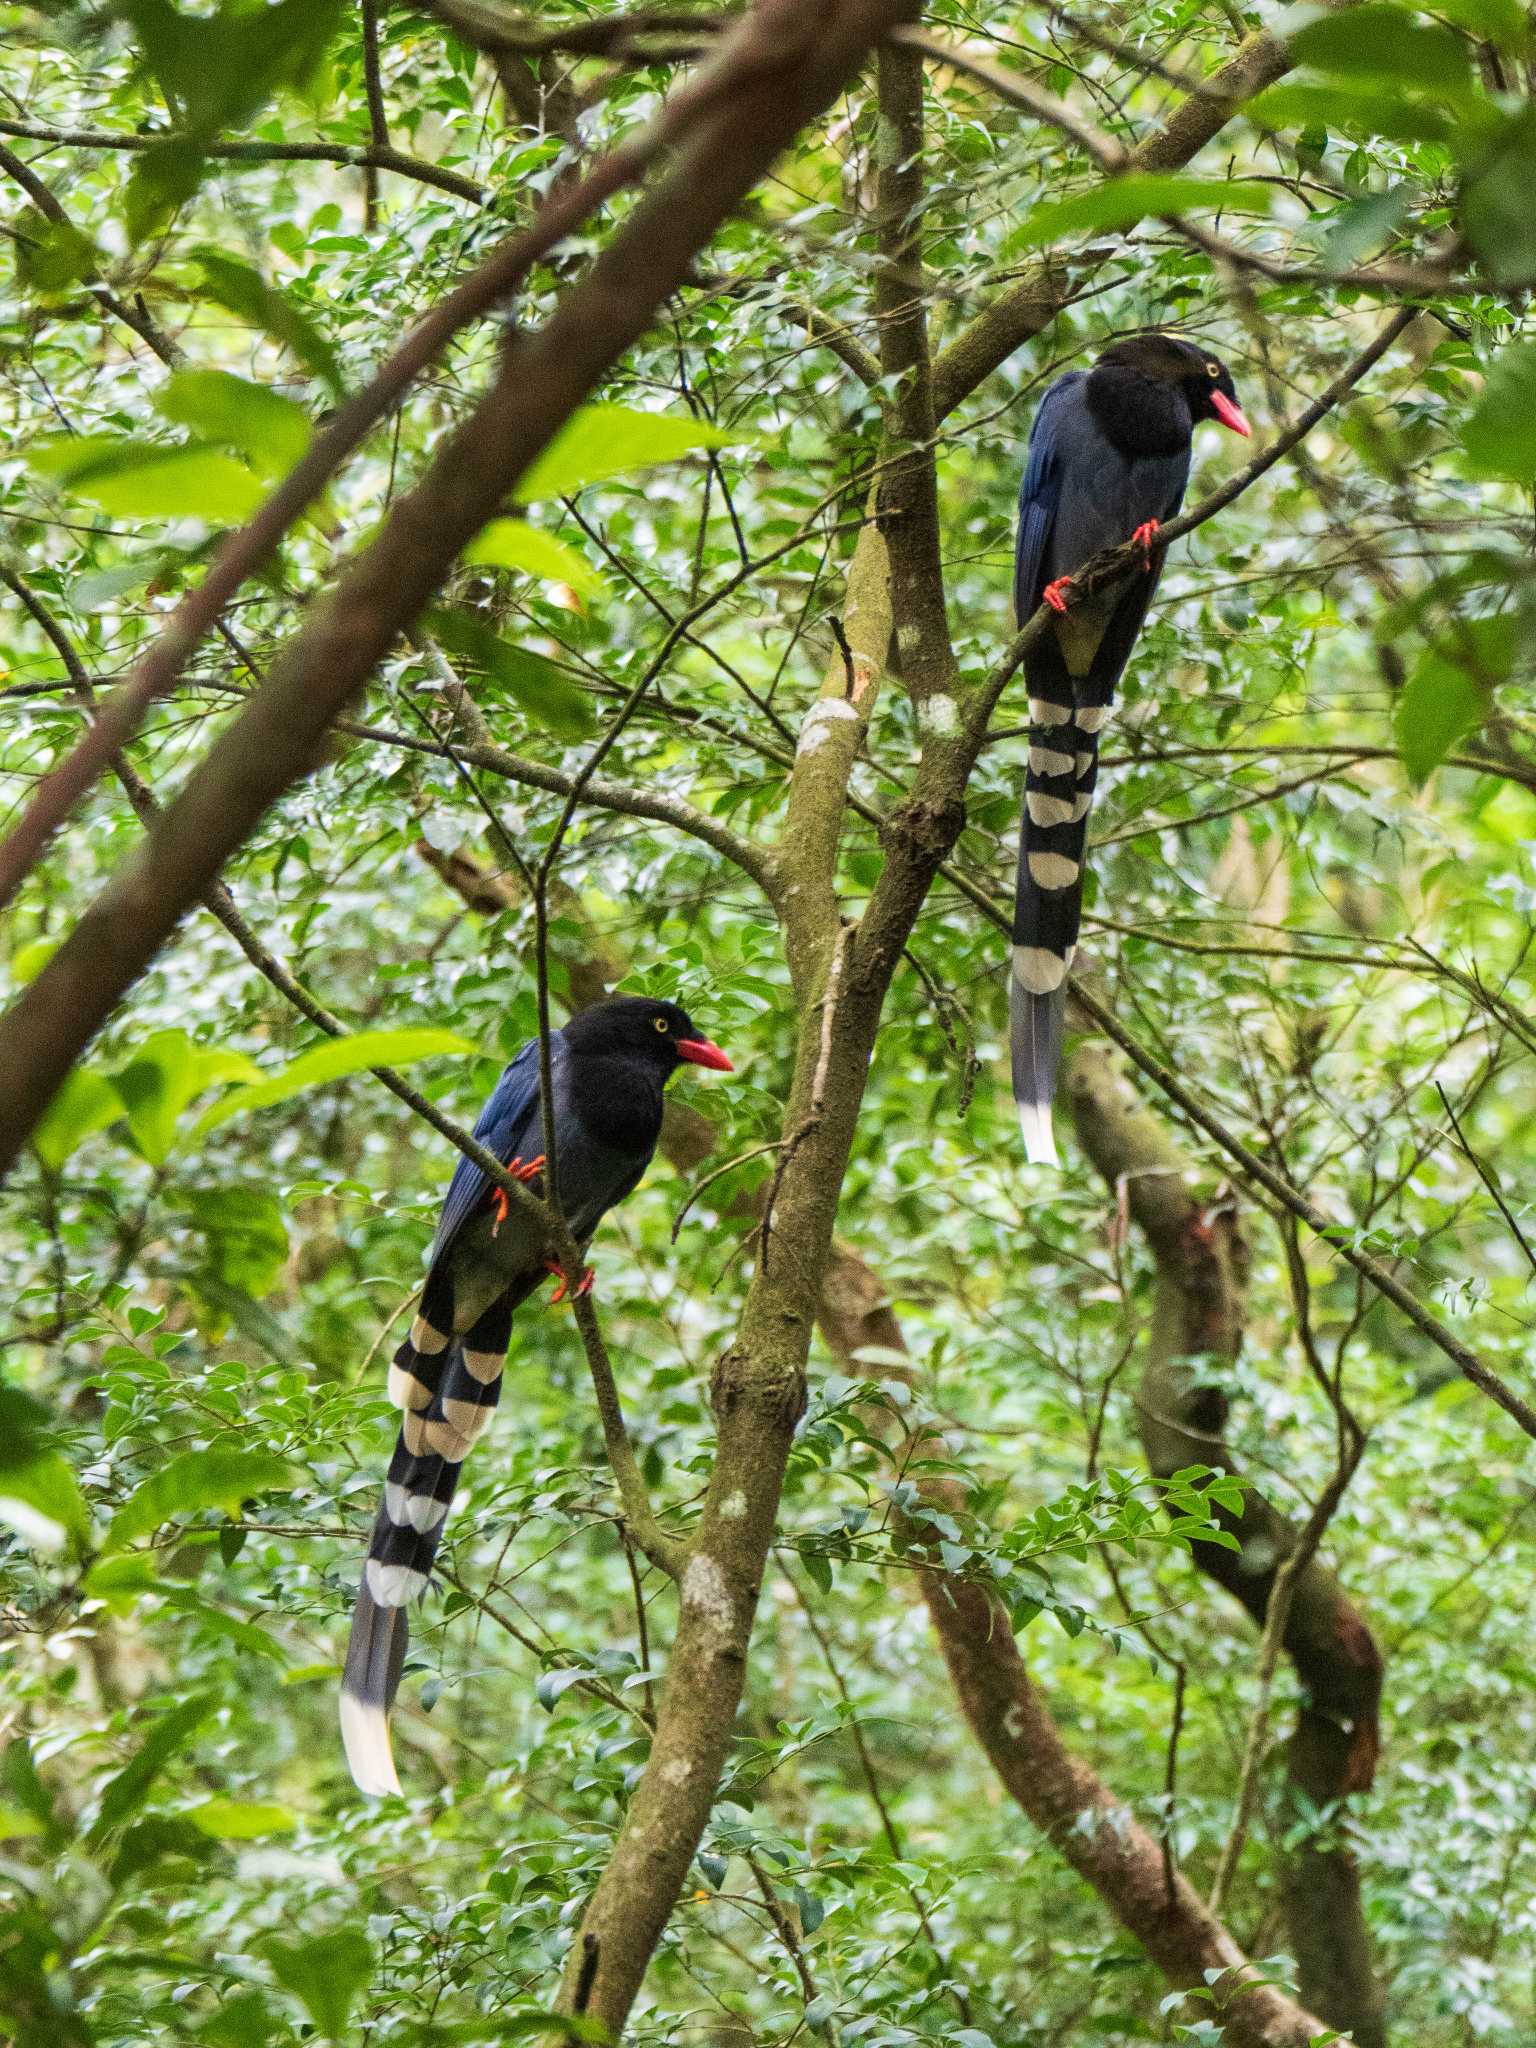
(1144, 536)
(499, 1203)
(1055, 594)
(583, 1284)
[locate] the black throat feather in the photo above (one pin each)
(1137, 414)
(618, 1097)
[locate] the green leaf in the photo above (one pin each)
(87, 1102)
(1496, 202)
(1497, 21)
(1380, 43)
(1355, 111)
(325, 1974)
(600, 441)
(1357, 230)
(240, 1820)
(270, 430)
(150, 479)
(28, 961)
(32, 1797)
(192, 1482)
(42, 1502)
(1500, 435)
(1441, 704)
(221, 67)
(245, 1235)
(245, 293)
(164, 178)
(535, 685)
(334, 1061)
(123, 1795)
(52, 256)
(1121, 202)
(165, 1074)
(514, 544)
(244, 2021)
(159, 1838)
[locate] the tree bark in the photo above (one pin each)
(1198, 1313)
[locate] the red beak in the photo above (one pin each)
(1229, 414)
(703, 1053)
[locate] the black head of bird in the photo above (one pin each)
(1148, 391)
(643, 1030)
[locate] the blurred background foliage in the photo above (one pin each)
(1312, 897)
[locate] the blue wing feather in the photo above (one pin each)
(503, 1128)
(1039, 495)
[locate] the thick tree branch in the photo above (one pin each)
(1077, 1812)
(696, 106)
(770, 76)
(1199, 1306)
(218, 900)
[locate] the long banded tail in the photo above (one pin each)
(1048, 892)
(447, 1388)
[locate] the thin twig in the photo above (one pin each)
(373, 157)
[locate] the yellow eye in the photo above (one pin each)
(660, 1023)
(1213, 369)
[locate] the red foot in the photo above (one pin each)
(518, 1171)
(1144, 536)
(1055, 594)
(583, 1285)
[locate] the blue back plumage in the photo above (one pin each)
(1080, 493)
(507, 1122)
(1039, 494)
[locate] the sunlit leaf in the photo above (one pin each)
(151, 479)
(325, 1973)
(259, 423)
(334, 1061)
(168, 1071)
(535, 685)
(241, 1820)
(192, 1483)
(514, 544)
(1121, 202)
(600, 441)
(87, 1102)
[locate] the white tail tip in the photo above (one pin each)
(1039, 1138)
(365, 1735)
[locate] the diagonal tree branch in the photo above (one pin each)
(771, 75)
(696, 106)
(1034, 301)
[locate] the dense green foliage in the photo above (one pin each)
(1294, 904)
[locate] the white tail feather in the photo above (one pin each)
(365, 1734)
(1039, 1138)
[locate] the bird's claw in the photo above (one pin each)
(1144, 536)
(1055, 594)
(500, 1203)
(583, 1285)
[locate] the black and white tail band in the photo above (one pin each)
(1048, 899)
(447, 1388)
